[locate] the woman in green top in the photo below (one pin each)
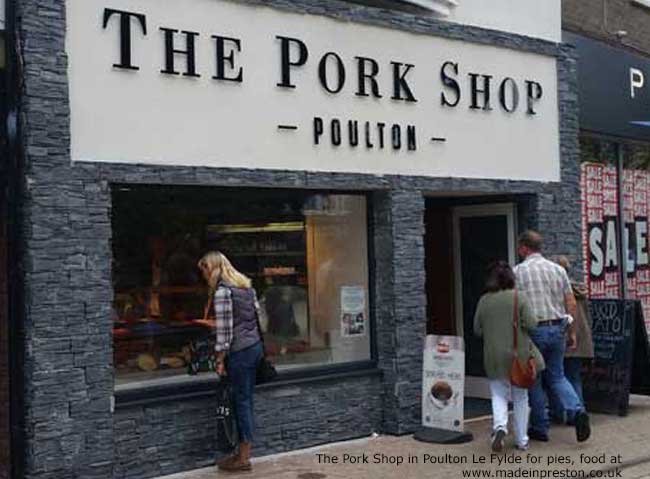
(494, 321)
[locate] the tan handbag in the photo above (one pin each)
(522, 374)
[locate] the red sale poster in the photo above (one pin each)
(601, 235)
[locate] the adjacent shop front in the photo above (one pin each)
(361, 166)
(615, 156)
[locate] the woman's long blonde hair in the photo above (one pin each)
(219, 268)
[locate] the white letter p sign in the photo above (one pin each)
(637, 80)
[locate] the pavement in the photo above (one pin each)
(618, 447)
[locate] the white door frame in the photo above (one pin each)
(477, 386)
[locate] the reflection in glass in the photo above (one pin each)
(306, 254)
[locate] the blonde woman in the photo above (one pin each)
(236, 310)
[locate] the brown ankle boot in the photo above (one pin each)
(242, 463)
(227, 459)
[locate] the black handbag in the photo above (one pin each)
(266, 371)
(226, 420)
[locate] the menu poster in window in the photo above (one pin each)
(353, 311)
(443, 382)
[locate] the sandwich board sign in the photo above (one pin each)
(443, 382)
(621, 356)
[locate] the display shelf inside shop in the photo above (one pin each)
(155, 324)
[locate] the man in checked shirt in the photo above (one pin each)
(548, 289)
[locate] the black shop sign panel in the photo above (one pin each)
(621, 362)
(614, 87)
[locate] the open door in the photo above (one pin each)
(482, 234)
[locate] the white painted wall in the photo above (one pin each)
(533, 18)
(147, 117)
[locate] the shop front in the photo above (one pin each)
(361, 166)
(615, 157)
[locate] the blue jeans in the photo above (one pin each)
(551, 341)
(242, 366)
(572, 371)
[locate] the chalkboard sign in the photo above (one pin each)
(606, 385)
(641, 361)
(621, 362)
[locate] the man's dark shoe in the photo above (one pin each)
(583, 429)
(537, 436)
(498, 440)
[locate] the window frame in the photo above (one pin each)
(203, 386)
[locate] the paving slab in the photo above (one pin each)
(619, 447)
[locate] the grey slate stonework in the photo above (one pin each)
(156, 440)
(71, 431)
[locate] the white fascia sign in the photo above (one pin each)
(225, 84)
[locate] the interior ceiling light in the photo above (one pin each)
(441, 7)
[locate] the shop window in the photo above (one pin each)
(616, 219)
(306, 254)
(636, 212)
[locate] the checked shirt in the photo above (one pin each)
(545, 285)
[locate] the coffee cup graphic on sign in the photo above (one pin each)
(441, 394)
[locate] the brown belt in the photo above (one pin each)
(550, 322)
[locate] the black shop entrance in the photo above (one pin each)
(460, 241)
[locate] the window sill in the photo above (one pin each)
(205, 387)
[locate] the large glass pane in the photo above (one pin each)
(306, 254)
(636, 208)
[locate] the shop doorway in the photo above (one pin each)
(461, 240)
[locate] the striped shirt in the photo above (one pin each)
(223, 314)
(545, 285)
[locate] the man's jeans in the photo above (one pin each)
(551, 341)
(572, 371)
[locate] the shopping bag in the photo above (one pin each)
(226, 419)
